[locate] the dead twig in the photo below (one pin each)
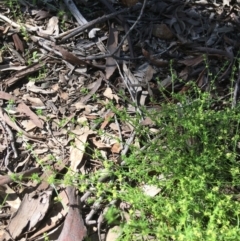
(123, 39)
(127, 144)
(12, 142)
(121, 20)
(24, 72)
(132, 27)
(8, 178)
(6, 19)
(75, 12)
(74, 32)
(6, 158)
(63, 53)
(7, 119)
(119, 130)
(12, 139)
(236, 89)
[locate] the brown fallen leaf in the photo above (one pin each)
(52, 27)
(28, 125)
(147, 122)
(18, 42)
(107, 120)
(114, 233)
(134, 83)
(41, 14)
(93, 91)
(8, 120)
(32, 210)
(99, 144)
(153, 60)
(6, 96)
(116, 148)
(111, 47)
(23, 108)
(69, 57)
(129, 3)
(78, 150)
(23, 73)
(34, 101)
(162, 31)
(53, 217)
(74, 228)
(192, 61)
(108, 93)
(12, 199)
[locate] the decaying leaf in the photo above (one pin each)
(54, 216)
(77, 151)
(116, 148)
(93, 32)
(8, 120)
(107, 120)
(111, 47)
(7, 96)
(80, 105)
(192, 61)
(28, 125)
(162, 31)
(41, 14)
(129, 3)
(114, 233)
(93, 91)
(23, 73)
(147, 122)
(11, 197)
(108, 93)
(31, 211)
(100, 145)
(36, 102)
(71, 58)
(155, 61)
(134, 84)
(18, 42)
(74, 228)
(33, 88)
(151, 190)
(52, 27)
(23, 108)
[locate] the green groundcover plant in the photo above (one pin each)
(194, 160)
(190, 153)
(192, 157)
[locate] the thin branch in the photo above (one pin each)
(75, 12)
(8, 178)
(73, 32)
(121, 43)
(6, 19)
(130, 30)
